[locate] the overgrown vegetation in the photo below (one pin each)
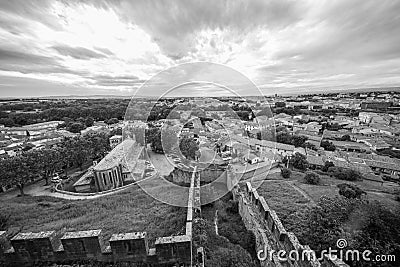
(365, 226)
(234, 245)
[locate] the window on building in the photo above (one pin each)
(104, 179)
(173, 250)
(128, 247)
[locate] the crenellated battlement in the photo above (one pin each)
(27, 248)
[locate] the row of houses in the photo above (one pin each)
(254, 151)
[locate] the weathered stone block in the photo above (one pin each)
(129, 246)
(174, 248)
(33, 247)
(82, 244)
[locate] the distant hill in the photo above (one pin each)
(287, 93)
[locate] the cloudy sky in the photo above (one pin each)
(112, 47)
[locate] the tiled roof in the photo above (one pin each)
(86, 178)
(127, 150)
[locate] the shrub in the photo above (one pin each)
(345, 174)
(312, 178)
(327, 165)
(285, 172)
(329, 146)
(350, 191)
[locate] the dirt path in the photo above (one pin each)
(39, 189)
(216, 222)
(302, 192)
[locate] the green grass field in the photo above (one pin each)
(129, 211)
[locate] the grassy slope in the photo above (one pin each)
(129, 211)
(282, 198)
(292, 207)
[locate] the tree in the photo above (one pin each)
(327, 165)
(75, 127)
(345, 174)
(49, 161)
(285, 172)
(350, 191)
(284, 137)
(299, 141)
(365, 225)
(153, 137)
(98, 144)
(188, 146)
(17, 171)
(78, 150)
(324, 223)
(280, 104)
(297, 161)
(329, 146)
(89, 121)
(287, 138)
(345, 137)
(312, 178)
(378, 233)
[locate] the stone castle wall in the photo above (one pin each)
(28, 249)
(270, 234)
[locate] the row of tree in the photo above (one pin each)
(98, 110)
(43, 163)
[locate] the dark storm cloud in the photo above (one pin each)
(172, 23)
(354, 43)
(77, 52)
(299, 44)
(354, 31)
